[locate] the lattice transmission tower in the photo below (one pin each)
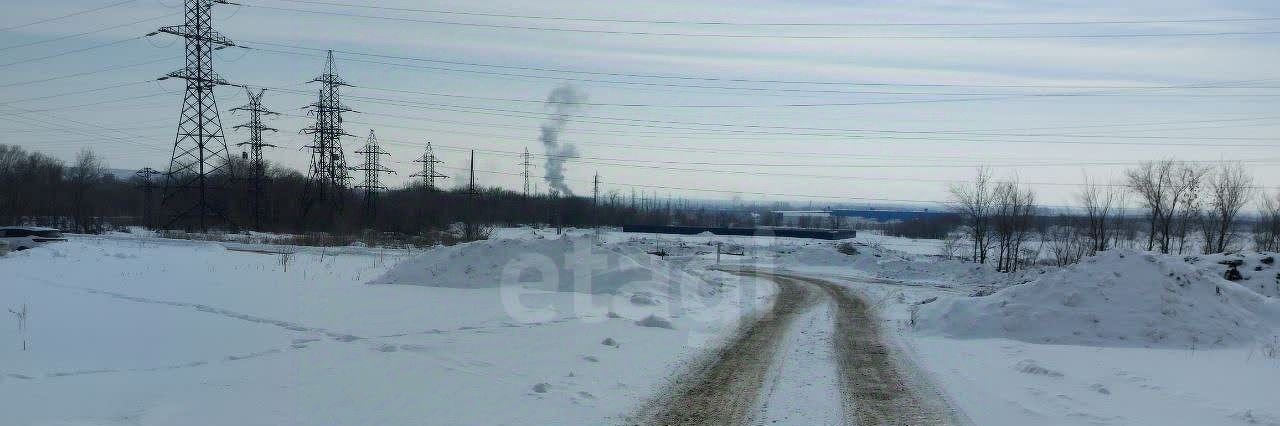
(595, 189)
(200, 156)
(527, 161)
(148, 186)
(428, 173)
(373, 170)
(257, 167)
(328, 177)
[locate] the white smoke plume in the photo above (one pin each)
(563, 101)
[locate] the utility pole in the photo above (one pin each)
(373, 169)
(257, 167)
(148, 187)
(328, 171)
(199, 149)
(472, 228)
(471, 187)
(429, 173)
(595, 209)
(526, 161)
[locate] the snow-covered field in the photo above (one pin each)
(1125, 338)
(535, 328)
(129, 331)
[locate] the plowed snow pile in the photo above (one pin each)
(559, 265)
(1118, 298)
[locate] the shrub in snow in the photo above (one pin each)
(654, 321)
(1030, 366)
(643, 298)
(541, 387)
(608, 341)
(21, 315)
(1118, 298)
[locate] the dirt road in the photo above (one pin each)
(878, 388)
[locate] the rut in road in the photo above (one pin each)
(878, 388)
(727, 386)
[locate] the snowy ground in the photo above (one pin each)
(128, 330)
(1002, 381)
(174, 332)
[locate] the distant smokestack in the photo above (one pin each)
(563, 101)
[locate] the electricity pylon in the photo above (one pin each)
(595, 189)
(373, 169)
(428, 173)
(257, 168)
(199, 149)
(328, 171)
(148, 187)
(526, 161)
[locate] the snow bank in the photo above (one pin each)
(571, 264)
(1118, 298)
(1258, 270)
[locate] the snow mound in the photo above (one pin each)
(1118, 298)
(562, 265)
(1258, 270)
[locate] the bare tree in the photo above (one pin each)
(975, 201)
(1011, 222)
(1066, 244)
(84, 177)
(1266, 233)
(1165, 188)
(1184, 202)
(1230, 188)
(1100, 208)
(1147, 180)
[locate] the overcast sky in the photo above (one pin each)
(915, 106)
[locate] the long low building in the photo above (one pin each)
(820, 234)
(878, 215)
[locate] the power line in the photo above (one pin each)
(769, 36)
(627, 162)
(69, 36)
(990, 96)
(78, 13)
(796, 24)
(717, 79)
(725, 191)
(69, 52)
(763, 129)
(84, 73)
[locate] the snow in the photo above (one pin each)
(539, 327)
(1259, 271)
(804, 388)
(571, 264)
(1008, 382)
(1118, 298)
(1004, 381)
(139, 330)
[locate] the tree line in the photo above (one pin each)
(1177, 207)
(85, 196)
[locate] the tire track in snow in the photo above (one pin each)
(728, 384)
(291, 326)
(878, 387)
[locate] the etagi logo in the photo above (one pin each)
(594, 284)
